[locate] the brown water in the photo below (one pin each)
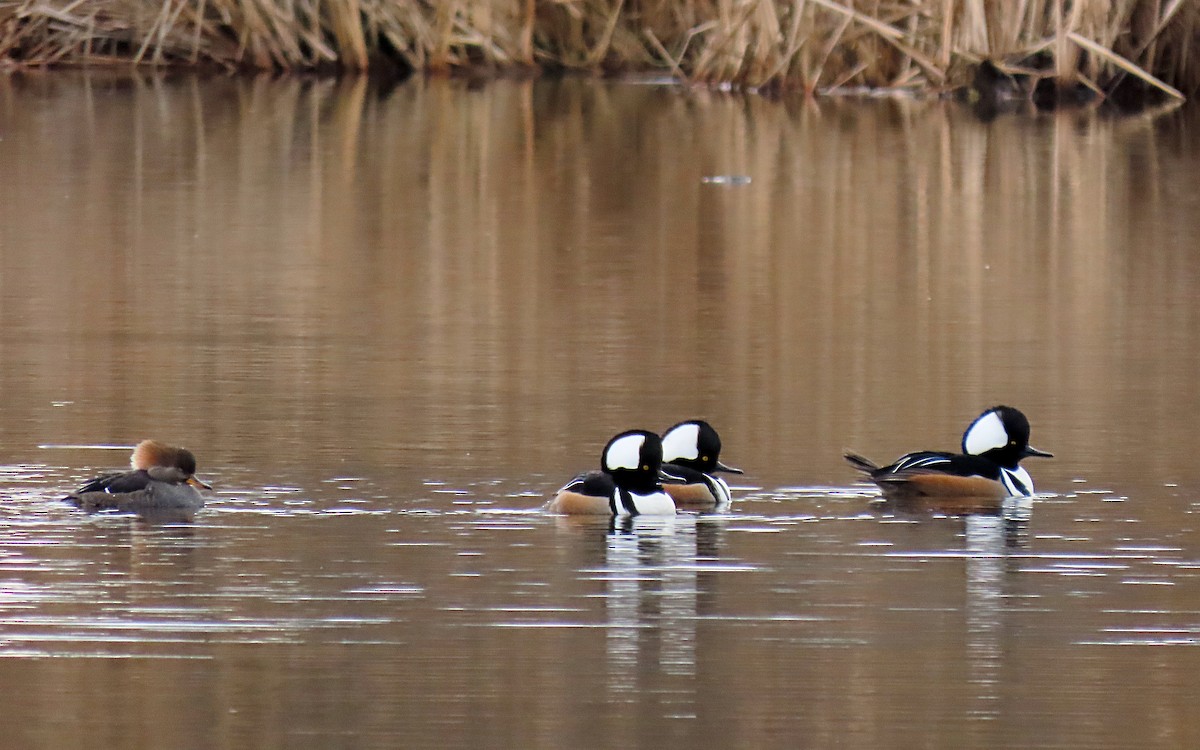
(391, 322)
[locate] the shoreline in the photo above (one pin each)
(1134, 52)
(986, 100)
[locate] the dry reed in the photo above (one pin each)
(807, 45)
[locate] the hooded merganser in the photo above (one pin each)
(627, 485)
(988, 467)
(691, 451)
(163, 478)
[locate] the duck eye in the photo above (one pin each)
(645, 467)
(704, 458)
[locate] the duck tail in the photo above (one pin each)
(865, 465)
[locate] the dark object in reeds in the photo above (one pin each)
(820, 45)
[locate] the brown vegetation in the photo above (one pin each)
(807, 45)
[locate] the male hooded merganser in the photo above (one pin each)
(691, 451)
(163, 478)
(988, 467)
(627, 485)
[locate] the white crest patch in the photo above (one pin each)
(986, 433)
(625, 453)
(681, 442)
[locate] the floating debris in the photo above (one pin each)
(726, 179)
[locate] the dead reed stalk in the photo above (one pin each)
(805, 45)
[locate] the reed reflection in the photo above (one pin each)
(421, 269)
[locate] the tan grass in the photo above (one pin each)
(792, 44)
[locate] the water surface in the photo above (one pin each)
(391, 322)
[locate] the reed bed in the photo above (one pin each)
(808, 45)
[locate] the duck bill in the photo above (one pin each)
(730, 469)
(192, 480)
(1031, 451)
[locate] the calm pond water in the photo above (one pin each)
(391, 322)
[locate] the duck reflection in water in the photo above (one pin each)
(988, 595)
(653, 590)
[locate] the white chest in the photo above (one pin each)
(1017, 481)
(651, 504)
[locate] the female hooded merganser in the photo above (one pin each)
(163, 478)
(988, 467)
(691, 451)
(627, 485)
